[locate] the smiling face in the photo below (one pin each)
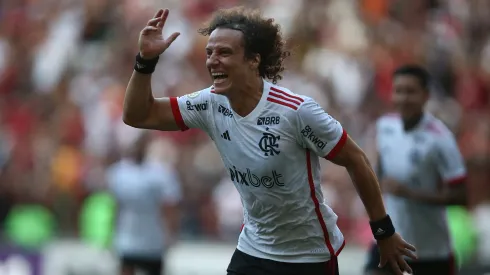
(226, 62)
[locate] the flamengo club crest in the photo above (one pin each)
(268, 144)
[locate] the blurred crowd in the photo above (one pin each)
(64, 65)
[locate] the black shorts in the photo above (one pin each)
(419, 267)
(148, 266)
(244, 264)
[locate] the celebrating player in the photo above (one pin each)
(270, 140)
(421, 171)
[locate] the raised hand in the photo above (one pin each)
(151, 41)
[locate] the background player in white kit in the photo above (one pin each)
(270, 140)
(421, 171)
(148, 194)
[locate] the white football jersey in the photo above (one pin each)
(422, 158)
(272, 157)
(141, 190)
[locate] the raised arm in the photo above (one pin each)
(141, 109)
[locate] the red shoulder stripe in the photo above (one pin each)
(288, 95)
(274, 100)
(284, 98)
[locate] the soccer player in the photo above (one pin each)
(147, 195)
(421, 172)
(270, 140)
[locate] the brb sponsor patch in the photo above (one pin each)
(225, 111)
(270, 120)
(308, 133)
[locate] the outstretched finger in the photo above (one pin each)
(163, 17)
(404, 265)
(172, 38)
(158, 14)
(395, 267)
(410, 247)
(408, 253)
(153, 22)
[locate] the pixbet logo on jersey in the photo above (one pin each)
(198, 107)
(225, 111)
(248, 178)
(308, 133)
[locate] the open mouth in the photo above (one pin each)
(219, 77)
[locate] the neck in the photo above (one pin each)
(244, 100)
(410, 123)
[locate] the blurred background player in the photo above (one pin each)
(147, 195)
(421, 171)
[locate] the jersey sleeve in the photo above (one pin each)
(318, 131)
(192, 110)
(449, 162)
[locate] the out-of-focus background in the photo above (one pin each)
(64, 65)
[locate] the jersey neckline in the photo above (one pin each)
(258, 108)
(420, 125)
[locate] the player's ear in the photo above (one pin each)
(255, 61)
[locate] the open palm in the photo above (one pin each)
(151, 41)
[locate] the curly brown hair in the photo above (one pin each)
(261, 36)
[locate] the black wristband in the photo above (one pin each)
(145, 66)
(383, 228)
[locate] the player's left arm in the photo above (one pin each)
(323, 135)
(364, 178)
(450, 166)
